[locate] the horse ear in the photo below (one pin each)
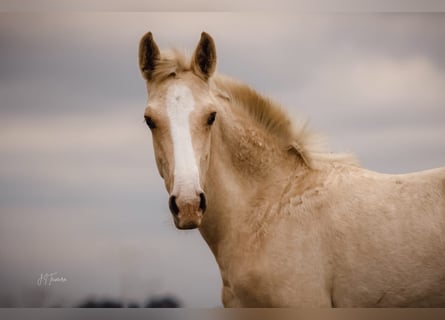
(149, 54)
(204, 58)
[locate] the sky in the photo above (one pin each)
(80, 194)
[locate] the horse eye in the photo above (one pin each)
(150, 122)
(211, 118)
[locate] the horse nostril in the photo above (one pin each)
(202, 202)
(173, 206)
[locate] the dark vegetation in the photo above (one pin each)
(161, 302)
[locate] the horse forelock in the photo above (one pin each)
(171, 61)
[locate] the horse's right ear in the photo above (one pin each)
(149, 54)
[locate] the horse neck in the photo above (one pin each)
(247, 166)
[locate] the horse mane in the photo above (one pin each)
(297, 138)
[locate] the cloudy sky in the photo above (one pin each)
(79, 191)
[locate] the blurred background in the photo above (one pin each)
(80, 195)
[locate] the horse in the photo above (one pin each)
(289, 224)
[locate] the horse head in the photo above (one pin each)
(180, 114)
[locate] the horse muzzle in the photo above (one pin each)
(187, 212)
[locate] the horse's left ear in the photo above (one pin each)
(204, 58)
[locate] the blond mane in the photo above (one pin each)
(270, 115)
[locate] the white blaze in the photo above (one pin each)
(180, 104)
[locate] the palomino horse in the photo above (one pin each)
(288, 224)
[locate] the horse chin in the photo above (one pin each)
(187, 224)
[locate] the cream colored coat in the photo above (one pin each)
(289, 225)
(331, 235)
